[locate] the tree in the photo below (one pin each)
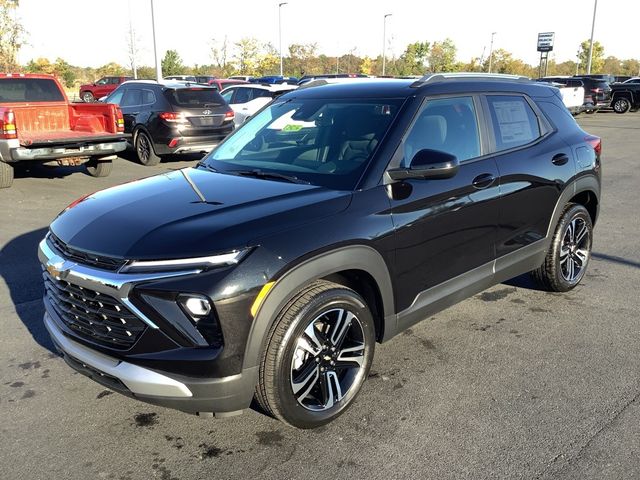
(220, 56)
(12, 35)
(301, 59)
(414, 59)
(442, 56)
(246, 56)
(172, 64)
(110, 69)
(597, 58)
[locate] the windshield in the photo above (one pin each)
(194, 97)
(321, 141)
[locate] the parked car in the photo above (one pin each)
(244, 78)
(39, 124)
(171, 117)
(600, 92)
(205, 79)
(622, 78)
(335, 218)
(572, 92)
(625, 96)
(275, 79)
(101, 88)
(222, 83)
(599, 76)
(308, 78)
(182, 78)
(632, 80)
(246, 100)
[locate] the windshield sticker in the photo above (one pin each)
(292, 128)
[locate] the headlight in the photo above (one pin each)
(197, 263)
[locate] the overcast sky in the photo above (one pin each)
(92, 32)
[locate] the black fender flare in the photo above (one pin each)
(359, 257)
(587, 183)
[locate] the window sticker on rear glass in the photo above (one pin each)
(513, 121)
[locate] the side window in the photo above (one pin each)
(114, 80)
(228, 94)
(514, 122)
(148, 97)
(261, 93)
(446, 124)
(116, 96)
(102, 81)
(243, 95)
(132, 97)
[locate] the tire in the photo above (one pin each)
(306, 365)
(6, 175)
(568, 257)
(145, 151)
(97, 168)
(87, 97)
(590, 112)
(621, 105)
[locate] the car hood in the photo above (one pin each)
(163, 216)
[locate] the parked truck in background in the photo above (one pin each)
(625, 96)
(38, 123)
(93, 91)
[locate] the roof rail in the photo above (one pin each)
(462, 76)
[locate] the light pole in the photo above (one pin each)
(384, 42)
(491, 51)
(132, 47)
(280, 33)
(593, 26)
(155, 48)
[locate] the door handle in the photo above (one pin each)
(560, 159)
(483, 181)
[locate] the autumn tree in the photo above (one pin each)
(246, 56)
(12, 35)
(442, 56)
(220, 56)
(414, 60)
(172, 64)
(597, 57)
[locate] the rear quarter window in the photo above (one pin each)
(514, 122)
(29, 90)
(194, 97)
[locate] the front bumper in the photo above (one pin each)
(15, 153)
(226, 395)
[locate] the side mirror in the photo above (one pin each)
(428, 163)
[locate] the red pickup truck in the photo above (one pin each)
(38, 123)
(101, 88)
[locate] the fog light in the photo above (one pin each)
(196, 305)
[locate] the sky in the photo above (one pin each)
(93, 33)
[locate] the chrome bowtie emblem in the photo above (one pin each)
(58, 267)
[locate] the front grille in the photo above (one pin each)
(92, 315)
(86, 258)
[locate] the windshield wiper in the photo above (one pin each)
(206, 166)
(260, 174)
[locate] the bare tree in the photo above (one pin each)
(220, 55)
(12, 35)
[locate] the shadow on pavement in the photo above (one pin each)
(20, 269)
(616, 259)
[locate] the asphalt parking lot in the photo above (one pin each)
(513, 383)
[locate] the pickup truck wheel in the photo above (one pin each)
(621, 105)
(318, 355)
(6, 175)
(144, 149)
(567, 259)
(97, 168)
(87, 97)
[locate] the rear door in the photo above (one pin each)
(131, 106)
(534, 165)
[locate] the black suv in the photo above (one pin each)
(172, 117)
(599, 90)
(335, 218)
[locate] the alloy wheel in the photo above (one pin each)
(574, 252)
(328, 359)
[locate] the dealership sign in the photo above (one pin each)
(545, 41)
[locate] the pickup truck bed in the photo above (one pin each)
(38, 123)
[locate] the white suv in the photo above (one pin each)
(245, 100)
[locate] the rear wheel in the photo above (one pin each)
(567, 259)
(87, 97)
(145, 151)
(621, 105)
(318, 355)
(99, 168)
(6, 175)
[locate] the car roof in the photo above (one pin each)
(427, 85)
(270, 87)
(168, 83)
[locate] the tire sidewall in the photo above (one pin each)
(289, 407)
(575, 211)
(151, 160)
(622, 105)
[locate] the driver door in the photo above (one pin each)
(444, 228)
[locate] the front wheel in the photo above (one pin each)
(318, 355)
(621, 105)
(87, 97)
(567, 259)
